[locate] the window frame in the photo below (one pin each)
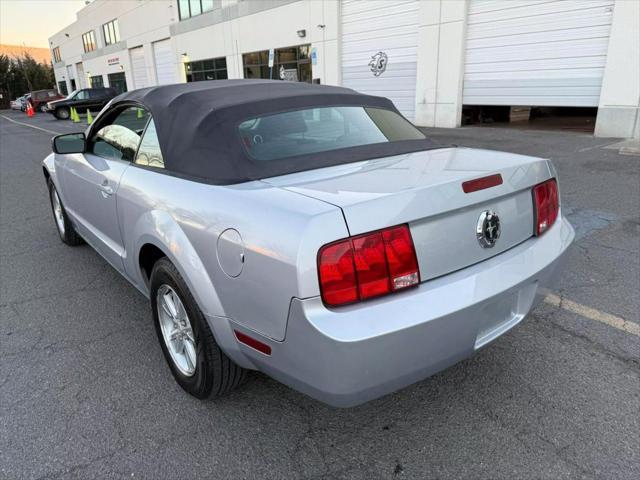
(299, 60)
(111, 32)
(257, 161)
(57, 58)
(106, 116)
(215, 70)
(89, 41)
(135, 157)
(182, 15)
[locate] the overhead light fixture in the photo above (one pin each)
(302, 33)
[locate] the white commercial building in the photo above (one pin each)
(431, 57)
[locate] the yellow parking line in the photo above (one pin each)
(593, 314)
(31, 126)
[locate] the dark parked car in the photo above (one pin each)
(39, 98)
(92, 99)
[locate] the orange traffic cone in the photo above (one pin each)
(30, 112)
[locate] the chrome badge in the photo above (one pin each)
(378, 63)
(488, 229)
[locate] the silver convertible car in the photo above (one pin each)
(306, 231)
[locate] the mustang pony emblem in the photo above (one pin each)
(378, 63)
(488, 229)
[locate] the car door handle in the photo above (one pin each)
(106, 190)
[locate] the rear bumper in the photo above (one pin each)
(353, 354)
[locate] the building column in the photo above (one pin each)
(619, 107)
(441, 46)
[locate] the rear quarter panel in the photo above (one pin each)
(281, 233)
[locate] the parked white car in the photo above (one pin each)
(17, 103)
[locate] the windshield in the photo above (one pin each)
(322, 129)
(72, 94)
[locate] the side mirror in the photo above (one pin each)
(69, 143)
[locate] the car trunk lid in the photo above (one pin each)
(424, 189)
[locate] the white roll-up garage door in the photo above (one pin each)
(375, 32)
(165, 62)
(138, 68)
(538, 53)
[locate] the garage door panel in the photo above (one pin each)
(542, 101)
(584, 18)
(482, 6)
(534, 91)
(138, 68)
(531, 50)
(558, 64)
(373, 32)
(396, 57)
(574, 34)
(399, 72)
(165, 62)
(391, 44)
(530, 9)
(552, 78)
(368, 10)
(388, 26)
(550, 50)
(401, 85)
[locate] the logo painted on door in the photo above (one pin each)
(378, 63)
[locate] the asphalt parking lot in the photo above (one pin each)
(85, 392)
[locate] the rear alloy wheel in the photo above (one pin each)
(176, 329)
(188, 345)
(62, 113)
(64, 226)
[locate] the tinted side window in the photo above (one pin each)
(149, 153)
(82, 95)
(120, 138)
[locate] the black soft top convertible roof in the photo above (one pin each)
(197, 125)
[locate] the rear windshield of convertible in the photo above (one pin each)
(321, 129)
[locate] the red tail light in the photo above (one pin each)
(547, 205)
(367, 266)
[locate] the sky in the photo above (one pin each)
(32, 22)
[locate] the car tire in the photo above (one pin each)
(209, 373)
(62, 113)
(65, 228)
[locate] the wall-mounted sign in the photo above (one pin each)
(271, 57)
(288, 74)
(378, 63)
(113, 61)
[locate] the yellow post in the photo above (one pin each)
(140, 113)
(89, 117)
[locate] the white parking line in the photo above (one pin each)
(30, 126)
(593, 314)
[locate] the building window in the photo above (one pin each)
(118, 82)
(62, 88)
(111, 32)
(211, 69)
(89, 41)
(193, 8)
(96, 81)
(56, 55)
(290, 63)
